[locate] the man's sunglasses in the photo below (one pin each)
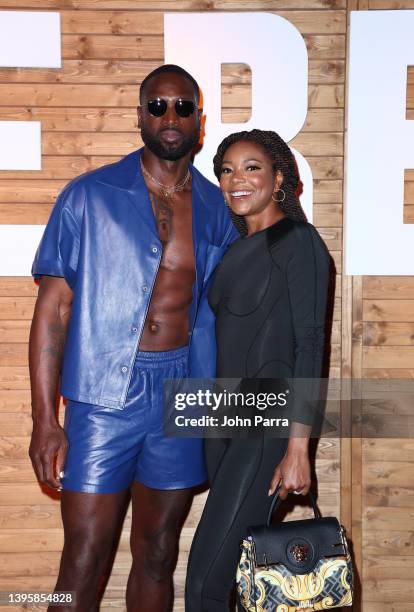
(158, 107)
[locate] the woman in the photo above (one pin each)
(269, 295)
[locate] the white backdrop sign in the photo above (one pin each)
(380, 144)
(27, 40)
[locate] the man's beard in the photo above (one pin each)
(170, 152)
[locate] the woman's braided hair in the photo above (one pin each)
(282, 159)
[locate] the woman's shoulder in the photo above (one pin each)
(307, 232)
(292, 228)
(295, 237)
(285, 232)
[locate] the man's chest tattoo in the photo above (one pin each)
(164, 217)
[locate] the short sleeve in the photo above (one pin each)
(58, 251)
(308, 273)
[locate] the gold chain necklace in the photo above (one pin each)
(167, 190)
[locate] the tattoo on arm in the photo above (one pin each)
(56, 330)
(52, 352)
(47, 341)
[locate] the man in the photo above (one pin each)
(123, 265)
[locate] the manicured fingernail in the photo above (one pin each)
(60, 489)
(269, 492)
(61, 474)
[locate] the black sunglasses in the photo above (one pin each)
(158, 107)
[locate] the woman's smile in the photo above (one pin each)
(240, 193)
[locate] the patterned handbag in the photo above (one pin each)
(296, 565)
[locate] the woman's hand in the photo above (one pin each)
(294, 470)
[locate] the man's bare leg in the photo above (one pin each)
(157, 519)
(91, 523)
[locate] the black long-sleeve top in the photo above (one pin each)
(269, 295)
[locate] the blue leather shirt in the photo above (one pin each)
(102, 238)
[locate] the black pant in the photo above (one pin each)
(240, 471)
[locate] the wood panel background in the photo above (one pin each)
(379, 322)
(87, 110)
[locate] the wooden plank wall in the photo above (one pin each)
(381, 312)
(387, 500)
(87, 110)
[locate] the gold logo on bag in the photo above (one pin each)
(300, 552)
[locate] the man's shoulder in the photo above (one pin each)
(75, 195)
(121, 173)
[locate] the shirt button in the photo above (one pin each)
(144, 288)
(154, 250)
(134, 330)
(124, 369)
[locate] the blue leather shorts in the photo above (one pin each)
(110, 448)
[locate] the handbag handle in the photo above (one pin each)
(276, 503)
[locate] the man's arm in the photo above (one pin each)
(47, 339)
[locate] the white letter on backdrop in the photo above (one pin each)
(380, 144)
(276, 53)
(27, 39)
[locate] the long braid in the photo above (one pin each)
(283, 160)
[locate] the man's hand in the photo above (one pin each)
(48, 448)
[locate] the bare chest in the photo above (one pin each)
(173, 217)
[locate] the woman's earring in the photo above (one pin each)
(275, 196)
